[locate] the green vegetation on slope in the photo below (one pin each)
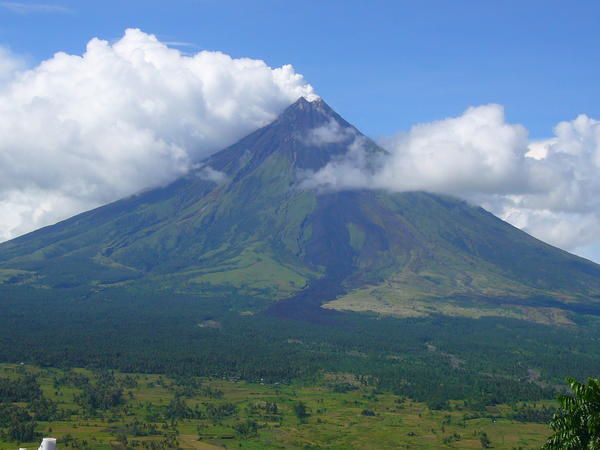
(258, 233)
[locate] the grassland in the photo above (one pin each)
(253, 273)
(343, 412)
(403, 300)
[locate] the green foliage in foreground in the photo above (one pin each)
(186, 412)
(576, 425)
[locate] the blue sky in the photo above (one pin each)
(384, 65)
(78, 132)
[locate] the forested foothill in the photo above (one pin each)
(436, 359)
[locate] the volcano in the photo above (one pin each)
(244, 224)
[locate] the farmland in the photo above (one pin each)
(105, 410)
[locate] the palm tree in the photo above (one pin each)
(576, 424)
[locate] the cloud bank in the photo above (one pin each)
(550, 188)
(78, 131)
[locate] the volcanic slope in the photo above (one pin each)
(243, 224)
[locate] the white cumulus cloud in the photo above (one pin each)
(563, 206)
(550, 188)
(477, 152)
(77, 131)
(330, 133)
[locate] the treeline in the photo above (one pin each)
(489, 363)
(533, 413)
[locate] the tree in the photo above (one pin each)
(249, 428)
(576, 424)
(178, 409)
(301, 411)
(484, 440)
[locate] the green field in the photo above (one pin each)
(341, 412)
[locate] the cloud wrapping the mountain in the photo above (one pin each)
(330, 133)
(550, 188)
(476, 152)
(78, 131)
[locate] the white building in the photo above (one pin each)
(47, 444)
